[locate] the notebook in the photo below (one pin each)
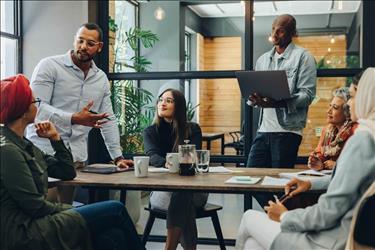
(104, 169)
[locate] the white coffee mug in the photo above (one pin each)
(172, 162)
(141, 165)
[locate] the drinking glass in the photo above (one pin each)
(203, 160)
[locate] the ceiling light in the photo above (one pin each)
(332, 39)
(329, 49)
(340, 5)
(159, 14)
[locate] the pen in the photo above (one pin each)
(93, 112)
(307, 174)
(282, 198)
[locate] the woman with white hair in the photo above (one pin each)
(326, 224)
(334, 136)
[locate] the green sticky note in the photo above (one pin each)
(243, 178)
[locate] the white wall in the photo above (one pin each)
(49, 28)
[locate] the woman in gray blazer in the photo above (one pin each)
(326, 224)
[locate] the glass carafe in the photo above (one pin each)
(187, 159)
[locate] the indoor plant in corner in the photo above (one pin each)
(132, 105)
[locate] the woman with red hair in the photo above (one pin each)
(28, 220)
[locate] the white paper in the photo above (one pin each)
(219, 169)
(158, 170)
(271, 181)
(306, 175)
(250, 181)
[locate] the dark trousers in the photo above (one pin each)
(110, 226)
(273, 150)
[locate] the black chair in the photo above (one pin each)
(210, 210)
(237, 142)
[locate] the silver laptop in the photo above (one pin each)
(273, 84)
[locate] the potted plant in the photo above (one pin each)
(132, 105)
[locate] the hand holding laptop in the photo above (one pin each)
(265, 102)
(267, 89)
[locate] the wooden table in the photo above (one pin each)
(205, 182)
(208, 137)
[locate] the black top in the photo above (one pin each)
(159, 140)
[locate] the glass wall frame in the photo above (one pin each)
(247, 112)
(11, 37)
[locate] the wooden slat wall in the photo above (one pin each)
(220, 99)
(319, 47)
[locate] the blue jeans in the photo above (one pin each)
(274, 150)
(110, 226)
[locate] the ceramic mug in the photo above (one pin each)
(141, 164)
(172, 162)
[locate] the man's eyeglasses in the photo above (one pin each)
(37, 102)
(168, 100)
(89, 43)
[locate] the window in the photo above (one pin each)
(231, 35)
(10, 38)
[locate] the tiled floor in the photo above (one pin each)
(229, 217)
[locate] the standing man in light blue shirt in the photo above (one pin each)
(281, 122)
(75, 96)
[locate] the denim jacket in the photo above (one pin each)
(300, 69)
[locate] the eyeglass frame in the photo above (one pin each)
(37, 100)
(89, 43)
(168, 100)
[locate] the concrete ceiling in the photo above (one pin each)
(274, 8)
(312, 16)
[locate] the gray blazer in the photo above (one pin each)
(326, 224)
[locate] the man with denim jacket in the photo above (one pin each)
(281, 122)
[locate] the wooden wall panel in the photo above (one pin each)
(333, 54)
(220, 99)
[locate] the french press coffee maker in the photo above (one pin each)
(187, 159)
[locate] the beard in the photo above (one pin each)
(83, 56)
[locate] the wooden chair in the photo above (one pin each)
(209, 210)
(237, 144)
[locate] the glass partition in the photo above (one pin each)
(329, 30)
(215, 104)
(161, 27)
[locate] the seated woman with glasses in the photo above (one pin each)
(28, 220)
(170, 129)
(334, 136)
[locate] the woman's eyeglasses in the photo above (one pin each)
(37, 102)
(168, 100)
